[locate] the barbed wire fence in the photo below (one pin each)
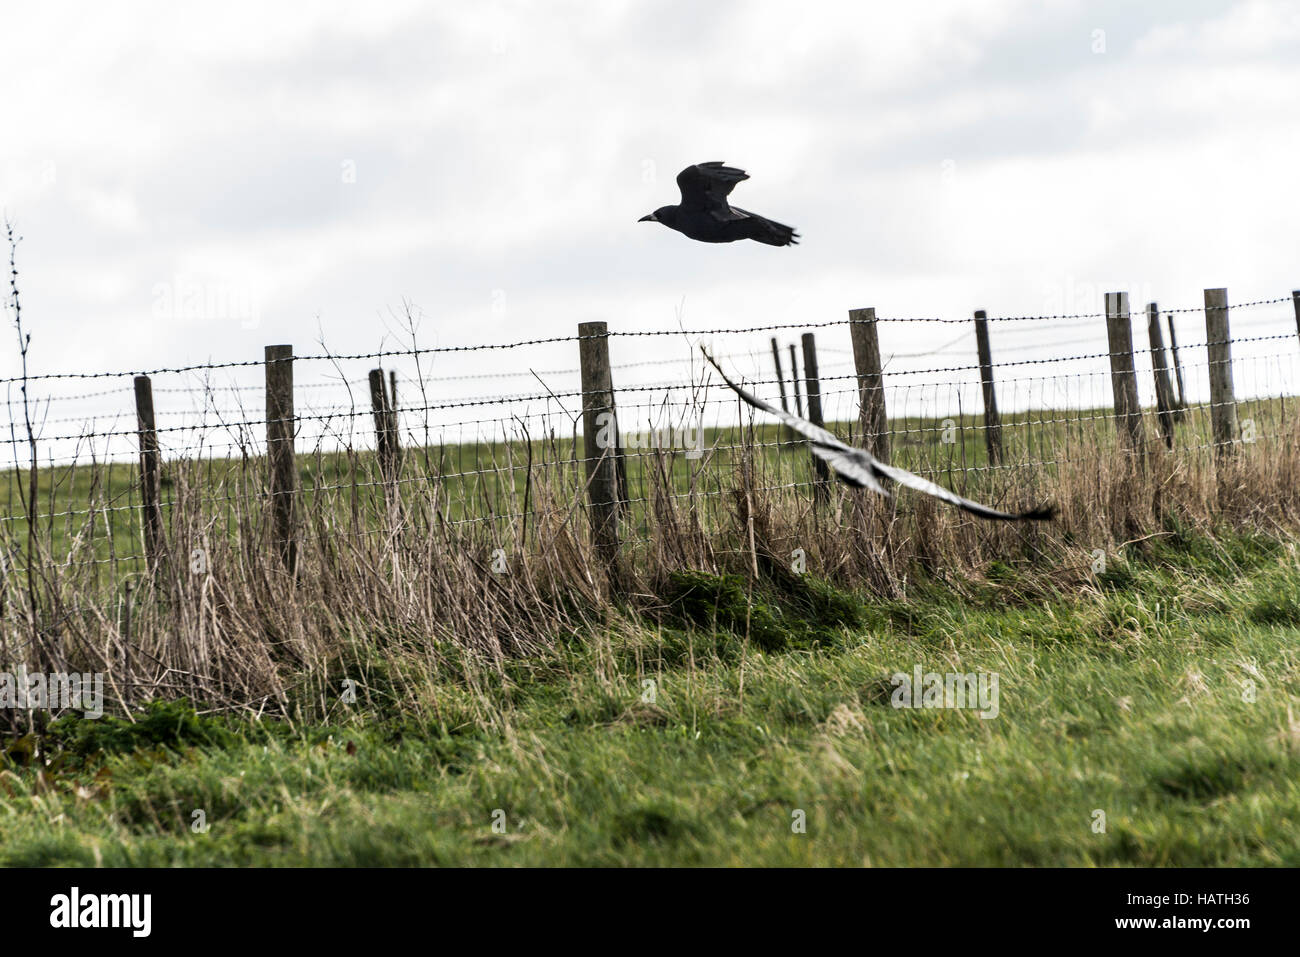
(596, 417)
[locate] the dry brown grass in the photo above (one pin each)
(394, 585)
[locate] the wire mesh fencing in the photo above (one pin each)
(491, 440)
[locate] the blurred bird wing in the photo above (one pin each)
(862, 469)
(854, 466)
(904, 477)
(706, 186)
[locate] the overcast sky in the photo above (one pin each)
(193, 184)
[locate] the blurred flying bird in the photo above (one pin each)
(861, 469)
(705, 214)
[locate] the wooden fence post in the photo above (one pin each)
(394, 423)
(794, 379)
(1123, 378)
(1160, 369)
(780, 381)
(812, 388)
(1218, 338)
(871, 382)
(600, 438)
(387, 447)
(150, 472)
(1181, 408)
(1295, 301)
(992, 421)
(279, 450)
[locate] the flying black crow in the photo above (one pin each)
(861, 469)
(704, 213)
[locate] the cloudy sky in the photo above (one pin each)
(193, 182)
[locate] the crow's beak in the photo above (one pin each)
(649, 218)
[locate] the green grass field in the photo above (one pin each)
(1165, 698)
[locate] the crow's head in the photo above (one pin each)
(664, 214)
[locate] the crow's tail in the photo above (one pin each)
(766, 231)
(774, 234)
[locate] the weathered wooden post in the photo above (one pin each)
(1123, 378)
(871, 382)
(379, 409)
(1178, 370)
(794, 379)
(1165, 402)
(1295, 301)
(780, 382)
(1218, 338)
(150, 471)
(780, 378)
(387, 449)
(812, 388)
(992, 421)
(600, 438)
(394, 423)
(280, 423)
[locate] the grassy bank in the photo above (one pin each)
(1163, 694)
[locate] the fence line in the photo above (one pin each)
(936, 472)
(437, 350)
(1000, 410)
(358, 412)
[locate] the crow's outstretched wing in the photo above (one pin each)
(904, 477)
(861, 469)
(844, 459)
(706, 186)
